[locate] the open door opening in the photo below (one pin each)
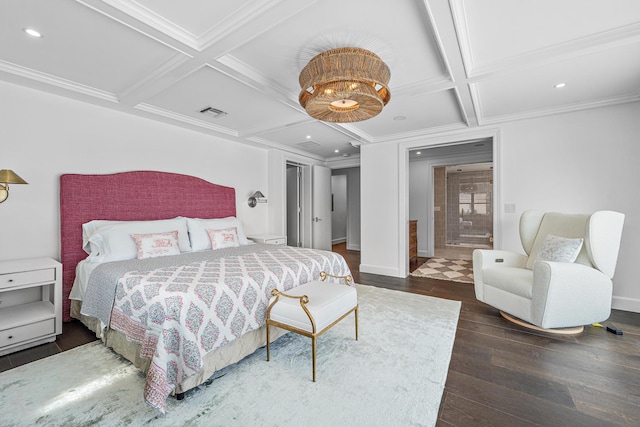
(452, 198)
(294, 205)
(308, 206)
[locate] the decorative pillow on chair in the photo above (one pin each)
(559, 249)
(225, 238)
(157, 244)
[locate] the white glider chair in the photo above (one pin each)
(564, 281)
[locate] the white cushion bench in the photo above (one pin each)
(317, 306)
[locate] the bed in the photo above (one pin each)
(183, 316)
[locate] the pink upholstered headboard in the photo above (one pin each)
(128, 196)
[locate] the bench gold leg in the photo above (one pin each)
(268, 342)
(356, 313)
(313, 350)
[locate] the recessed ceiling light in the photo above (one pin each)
(399, 118)
(559, 85)
(32, 32)
(418, 153)
(336, 151)
(308, 136)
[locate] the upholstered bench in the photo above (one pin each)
(315, 308)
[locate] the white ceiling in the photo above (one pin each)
(454, 64)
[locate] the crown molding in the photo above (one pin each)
(58, 82)
(606, 102)
(559, 52)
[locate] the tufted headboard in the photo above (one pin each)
(130, 196)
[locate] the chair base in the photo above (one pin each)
(557, 331)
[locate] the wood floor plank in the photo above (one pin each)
(609, 382)
(619, 411)
(517, 404)
(527, 383)
(460, 411)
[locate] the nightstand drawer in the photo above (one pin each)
(269, 239)
(27, 277)
(27, 332)
(278, 241)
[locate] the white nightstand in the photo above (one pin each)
(30, 303)
(269, 239)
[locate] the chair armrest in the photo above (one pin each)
(483, 258)
(569, 294)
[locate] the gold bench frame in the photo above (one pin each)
(304, 300)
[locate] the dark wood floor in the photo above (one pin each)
(500, 374)
(504, 375)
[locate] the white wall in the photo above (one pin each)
(381, 249)
(575, 162)
(43, 136)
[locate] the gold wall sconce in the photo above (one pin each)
(256, 198)
(7, 177)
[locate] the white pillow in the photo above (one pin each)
(199, 237)
(559, 249)
(226, 238)
(157, 244)
(112, 241)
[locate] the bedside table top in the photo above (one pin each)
(265, 236)
(27, 264)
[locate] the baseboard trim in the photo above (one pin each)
(353, 247)
(383, 271)
(339, 240)
(626, 304)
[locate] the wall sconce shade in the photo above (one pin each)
(257, 197)
(7, 177)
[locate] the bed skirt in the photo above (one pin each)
(213, 361)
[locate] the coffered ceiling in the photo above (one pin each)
(454, 64)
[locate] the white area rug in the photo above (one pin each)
(393, 375)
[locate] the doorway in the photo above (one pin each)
(308, 206)
(434, 205)
(294, 205)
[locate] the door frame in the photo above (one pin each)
(454, 138)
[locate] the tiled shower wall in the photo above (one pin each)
(469, 229)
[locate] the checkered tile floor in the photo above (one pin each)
(455, 270)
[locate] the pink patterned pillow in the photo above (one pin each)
(225, 238)
(157, 244)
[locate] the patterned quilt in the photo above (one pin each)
(181, 312)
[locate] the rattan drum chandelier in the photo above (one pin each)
(344, 85)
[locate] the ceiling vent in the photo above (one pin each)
(308, 145)
(213, 112)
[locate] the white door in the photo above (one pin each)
(294, 205)
(321, 208)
